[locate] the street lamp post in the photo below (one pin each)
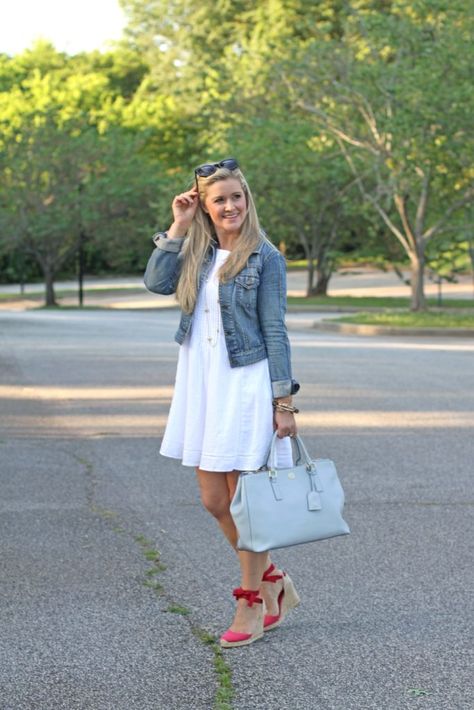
(81, 260)
(81, 255)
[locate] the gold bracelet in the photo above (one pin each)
(282, 407)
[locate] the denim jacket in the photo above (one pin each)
(253, 306)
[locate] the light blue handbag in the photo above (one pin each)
(281, 507)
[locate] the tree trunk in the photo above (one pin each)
(325, 266)
(309, 282)
(49, 284)
(310, 261)
(81, 263)
(418, 301)
(471, 256)
(322, 282)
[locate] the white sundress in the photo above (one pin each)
(221, 418)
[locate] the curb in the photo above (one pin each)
(356, 329)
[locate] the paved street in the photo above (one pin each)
(111, 573)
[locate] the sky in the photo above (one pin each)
(71, 25)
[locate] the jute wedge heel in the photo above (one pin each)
(287, 599)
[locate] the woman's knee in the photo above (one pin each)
(216, 505)
(214, 493)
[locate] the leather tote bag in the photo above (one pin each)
(281, 507)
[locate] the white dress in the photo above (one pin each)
(221, 418)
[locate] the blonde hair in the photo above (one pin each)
(201, 234)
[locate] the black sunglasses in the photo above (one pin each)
(209, 169)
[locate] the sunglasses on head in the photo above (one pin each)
(209, 169)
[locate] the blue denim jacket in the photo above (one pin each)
(253, 306)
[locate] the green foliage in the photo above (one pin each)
(395, 96)
(303, 190)
(71, 168)
(352, 121)
(65, 183)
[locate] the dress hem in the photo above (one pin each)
(208, 462)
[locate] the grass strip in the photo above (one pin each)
(411, 320)
(225, 691)
(375, 301)
(178, 609)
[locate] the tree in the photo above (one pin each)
(300, 187)
(72, 173)
(219, 61)
(61, 188)
(395, 96)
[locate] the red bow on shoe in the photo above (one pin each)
(249, 594)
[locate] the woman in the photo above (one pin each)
(233, 383)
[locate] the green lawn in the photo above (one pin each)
(374, 301)
(411, 320)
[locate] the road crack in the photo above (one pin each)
(155, 566)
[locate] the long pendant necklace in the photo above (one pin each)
(210, 316)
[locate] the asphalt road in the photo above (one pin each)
(87, 506)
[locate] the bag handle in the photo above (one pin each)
(302, 452)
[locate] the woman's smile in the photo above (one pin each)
(226, 205)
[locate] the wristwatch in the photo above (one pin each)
(294, 387)
(159, 235)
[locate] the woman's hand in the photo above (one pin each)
(284, 423)
(184, 208)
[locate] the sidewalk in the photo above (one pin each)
(131, 292)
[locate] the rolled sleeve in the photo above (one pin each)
(271, 312)
(164, 265)
(282, 388)
(162, 241)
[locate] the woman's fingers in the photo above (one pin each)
(285, 424)
(183, 200)
(185, 204)
(282, 432)
(188, 197)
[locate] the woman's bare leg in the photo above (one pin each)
(216, 498)
(254, 564)
(217, 490)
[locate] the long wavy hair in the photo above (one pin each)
(202, 233)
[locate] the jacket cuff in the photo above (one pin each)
(281, 388)
(162, 242)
